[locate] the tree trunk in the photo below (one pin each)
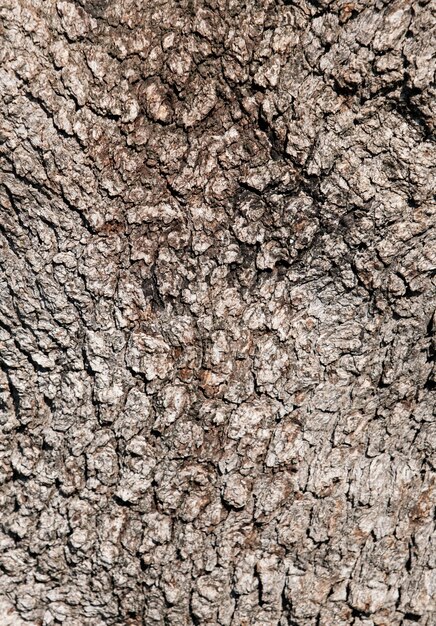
(217, 313)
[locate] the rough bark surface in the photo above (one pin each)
(217, 313)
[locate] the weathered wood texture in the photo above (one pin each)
(217, 312)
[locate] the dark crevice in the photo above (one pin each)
(412, 617)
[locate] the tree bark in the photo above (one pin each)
(217, 313)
